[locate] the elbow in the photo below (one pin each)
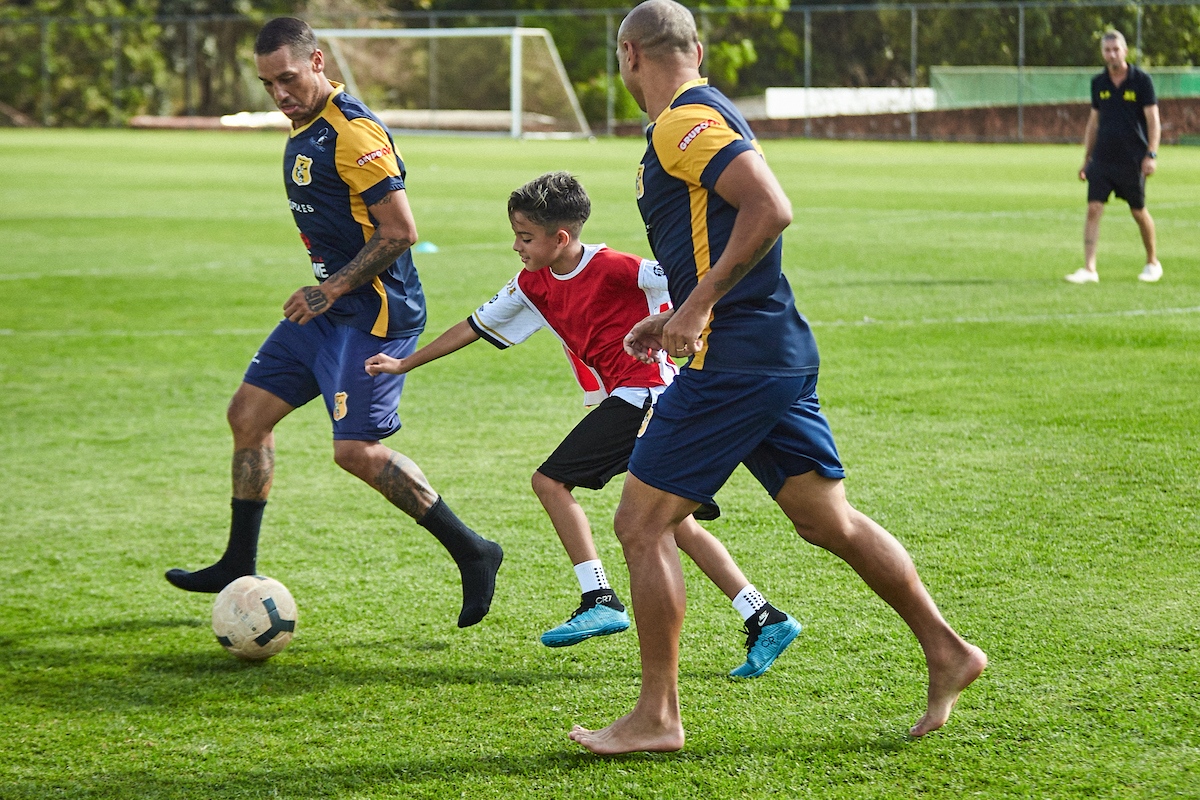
(783, 214)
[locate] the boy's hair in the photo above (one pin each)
(555, 200)
(289, 32)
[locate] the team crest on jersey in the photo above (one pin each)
(640, 185)
(302, 171)
(645, 421)
(339, 406)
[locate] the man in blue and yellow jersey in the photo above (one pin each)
(714, 213)
(345, 186)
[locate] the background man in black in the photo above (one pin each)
(1120, 148)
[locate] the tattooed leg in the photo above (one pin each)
(401, 481)
(252, 415)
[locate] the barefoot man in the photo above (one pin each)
(714, 213)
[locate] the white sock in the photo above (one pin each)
(748, 601)
(591, 576)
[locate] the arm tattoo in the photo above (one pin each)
(739, 270)
(403, 484)
(376, 256)
(253, 469)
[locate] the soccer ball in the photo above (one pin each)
(254, 617)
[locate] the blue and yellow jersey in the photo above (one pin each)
(755, 327)
(334, 168)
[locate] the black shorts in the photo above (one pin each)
(598, 448)
(1126, 181)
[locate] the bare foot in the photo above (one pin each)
(946, 683)
(630, 735)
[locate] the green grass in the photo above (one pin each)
(1033, 443)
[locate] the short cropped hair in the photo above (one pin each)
(289, 32)
(661, 28)
(554, 200)
(1114, 35)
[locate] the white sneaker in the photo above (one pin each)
(1151, 273)
(1085, 275)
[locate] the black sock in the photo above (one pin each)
(477, 558)
(601, 597)
(241, 553)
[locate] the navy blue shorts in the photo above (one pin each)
(706, 423)
(299, 362)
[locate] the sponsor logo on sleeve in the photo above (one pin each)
(698, 129)
(301, 208)
(640, 185)
(367, 158)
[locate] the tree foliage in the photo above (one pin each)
(97, 62)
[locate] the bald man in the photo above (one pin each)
(714, 213)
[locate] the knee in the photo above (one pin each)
(829, 531)
(244, 421)
(545, 486)
(350, 455)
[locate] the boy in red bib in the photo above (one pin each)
(590, 296)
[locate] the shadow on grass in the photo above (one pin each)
(448, 773)
(115, 673)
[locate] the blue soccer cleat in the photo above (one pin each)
(599, 620)
(765, 644)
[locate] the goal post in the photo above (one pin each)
(452, 79)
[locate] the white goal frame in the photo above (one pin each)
(515, 34)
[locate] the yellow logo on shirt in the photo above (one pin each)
(1105, 94)
(301, 175)
(1131, 95)
(640, 184)
(339, 406)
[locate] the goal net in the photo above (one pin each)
(481, 80)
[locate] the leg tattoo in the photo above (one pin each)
(253, 471)
(403, 484)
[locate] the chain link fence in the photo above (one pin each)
(75, 71)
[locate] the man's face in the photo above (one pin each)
(296, 83)
(1114, 52)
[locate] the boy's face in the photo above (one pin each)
(536, 246)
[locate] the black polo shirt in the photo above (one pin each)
(1121, 138)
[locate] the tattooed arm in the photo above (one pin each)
(764, 211)
(395, 232)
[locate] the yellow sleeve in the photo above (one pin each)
(687, 138)
(364, 155)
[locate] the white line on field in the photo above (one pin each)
(1008, 318)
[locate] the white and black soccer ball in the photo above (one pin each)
(254, 617)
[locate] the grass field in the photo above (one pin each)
(1033, 443)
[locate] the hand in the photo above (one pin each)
(644, 340)
(1083, 172)
(1148, 166)
(305, 303)
(681, 334)
(384, 363)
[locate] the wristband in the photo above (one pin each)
(1151, 154)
